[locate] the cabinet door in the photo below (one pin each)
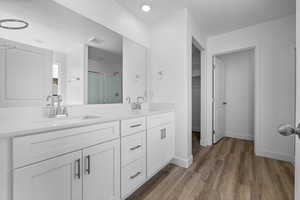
(58, 178)
(160, 147)
(102, 172)
(168, 143)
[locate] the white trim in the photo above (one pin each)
(183, 162)
(244, 136)
(273, 155)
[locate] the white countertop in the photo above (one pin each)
(13, 128)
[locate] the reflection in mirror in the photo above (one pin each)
(48, 57)
(62, 53)
(104, 76)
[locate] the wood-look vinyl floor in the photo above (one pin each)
(228, 170)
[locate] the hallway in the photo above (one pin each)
(228, 170)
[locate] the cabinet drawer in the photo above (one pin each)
(133, 147)
(157, 120)
(133, 175)
(131, 126)
(35, 148)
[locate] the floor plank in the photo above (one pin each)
(228, 170)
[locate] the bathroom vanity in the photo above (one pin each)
(93, 158)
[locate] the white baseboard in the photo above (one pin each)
(181, 162)
(274, 155)
(239, 136)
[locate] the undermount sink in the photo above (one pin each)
(91, 117)
(67, 119)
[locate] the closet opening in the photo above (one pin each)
(196, 97)
(233, 95)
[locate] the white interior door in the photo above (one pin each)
(219, 100)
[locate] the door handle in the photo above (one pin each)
(77, 169)
(287, 130)
(224, 103)
(88, 164)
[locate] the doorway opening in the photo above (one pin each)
(104, 76)
(196, 96)
(233, 95)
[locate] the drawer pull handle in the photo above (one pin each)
(136, 125)
(136, 175)
(77, 169)
(88, 164)
(136, 147)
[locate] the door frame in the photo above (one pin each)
(202, 92)
(257, 92)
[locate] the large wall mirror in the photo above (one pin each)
(64, 53)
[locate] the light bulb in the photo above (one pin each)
(146, 8)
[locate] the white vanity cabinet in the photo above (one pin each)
(160, 142)
(106, 161)
(83, 164)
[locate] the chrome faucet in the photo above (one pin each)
(56, 110)
(135, 106)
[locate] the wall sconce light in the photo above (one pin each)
(137, 78)
(160, 75)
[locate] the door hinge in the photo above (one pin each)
(213, 132)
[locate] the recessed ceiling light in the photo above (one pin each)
(14, 24)
(146, 8)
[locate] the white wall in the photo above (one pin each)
(274, 44)
(111, 15)
(170, 52)
(239, 94)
